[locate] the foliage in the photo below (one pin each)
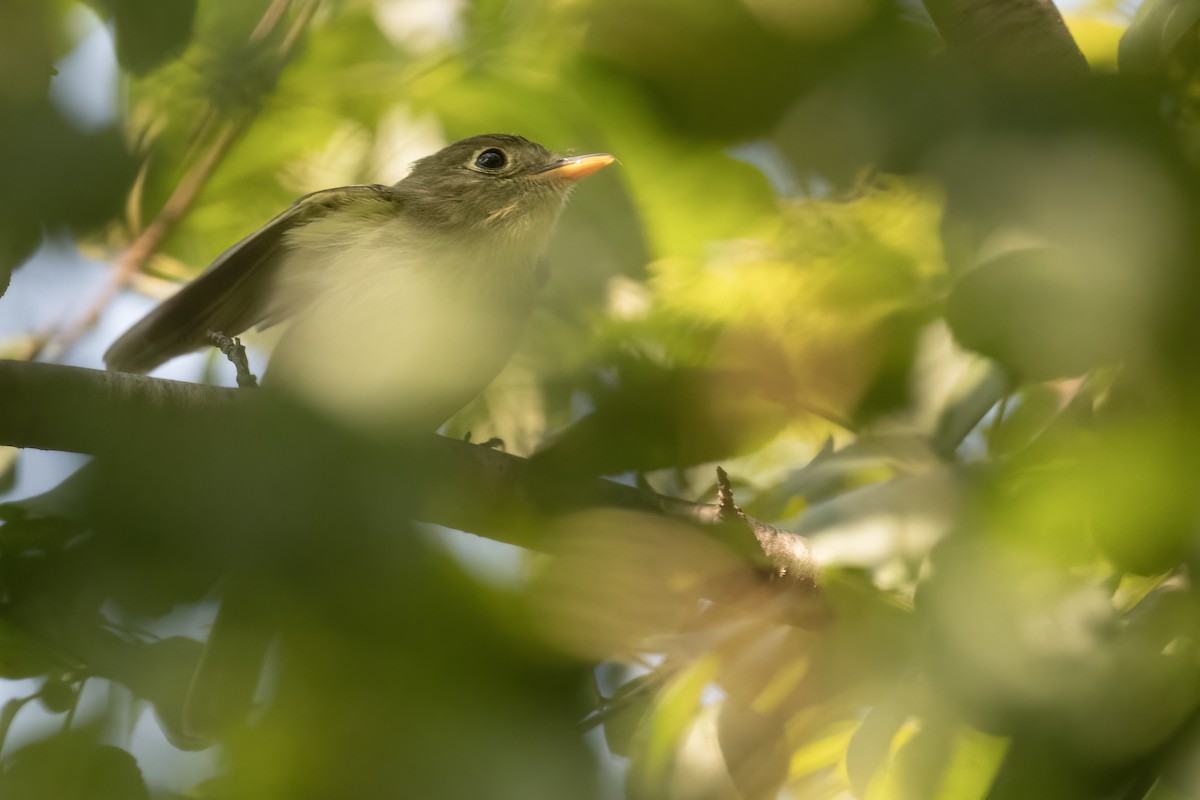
(941, 323)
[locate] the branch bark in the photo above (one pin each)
(1015, 39)
(53, 407)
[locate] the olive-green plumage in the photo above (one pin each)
(401, 302)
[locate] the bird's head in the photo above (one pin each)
(495, 183)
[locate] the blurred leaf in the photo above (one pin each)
(162, 673)
(8, 466)
(663, 731)
(658, 418)
(977, 391)
(181, 111)
(865, 461)
(824, 304)
(36, 142)
(30, 41)
(688, 191)
(21, 656)
(972, 767)
(1118, 488)
(616, 577)
(918, 761)
(890, 387)
(1024, 662)
(625, 713)
(869, 747)
(1031, 769)
(1029, 412)
(1041, 314)
(899, 519)
(39, 771)
(59, 693)
(1164, 791)
(823, 751)
(19, 244)
(881, 114)
(1099, 39)
(149, 32)
(754, 748)
(1142, 518)
(723, 70)
(1157, 30)
(65, 501)
(220, 694)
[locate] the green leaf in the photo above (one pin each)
(149, 32)
(665, 728)
(625, 712)
(728, 69)
(866, 461)
(976, 392)
(36, 142)
(9, 460)
(1041, 314)
(975, 757)
(1029, 412)
(23, 657)
(870, 746)
(917, 764)
(70, 767)
(754, 747)
(59, 693)
(1158, 29)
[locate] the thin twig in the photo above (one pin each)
(290, 39)
(626, 695)
(727, 509)
(269, 20)
(787, 554)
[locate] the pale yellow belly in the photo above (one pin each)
(382, 347)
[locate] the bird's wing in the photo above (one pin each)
(231, 295)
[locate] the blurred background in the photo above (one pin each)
(928, 296)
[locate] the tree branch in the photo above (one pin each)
(1021, 39)
(53, 407)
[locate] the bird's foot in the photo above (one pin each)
(236, 353)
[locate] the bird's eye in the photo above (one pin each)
(491, 159)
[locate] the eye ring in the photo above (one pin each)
(493, 159)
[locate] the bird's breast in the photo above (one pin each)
(389, 330)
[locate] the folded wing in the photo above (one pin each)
(233, 293)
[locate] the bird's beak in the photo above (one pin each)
(577, 168)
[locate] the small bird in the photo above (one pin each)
(402, 302)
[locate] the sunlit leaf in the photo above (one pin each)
(973, 762)
(663, 730)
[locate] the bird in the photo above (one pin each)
(397, 304)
